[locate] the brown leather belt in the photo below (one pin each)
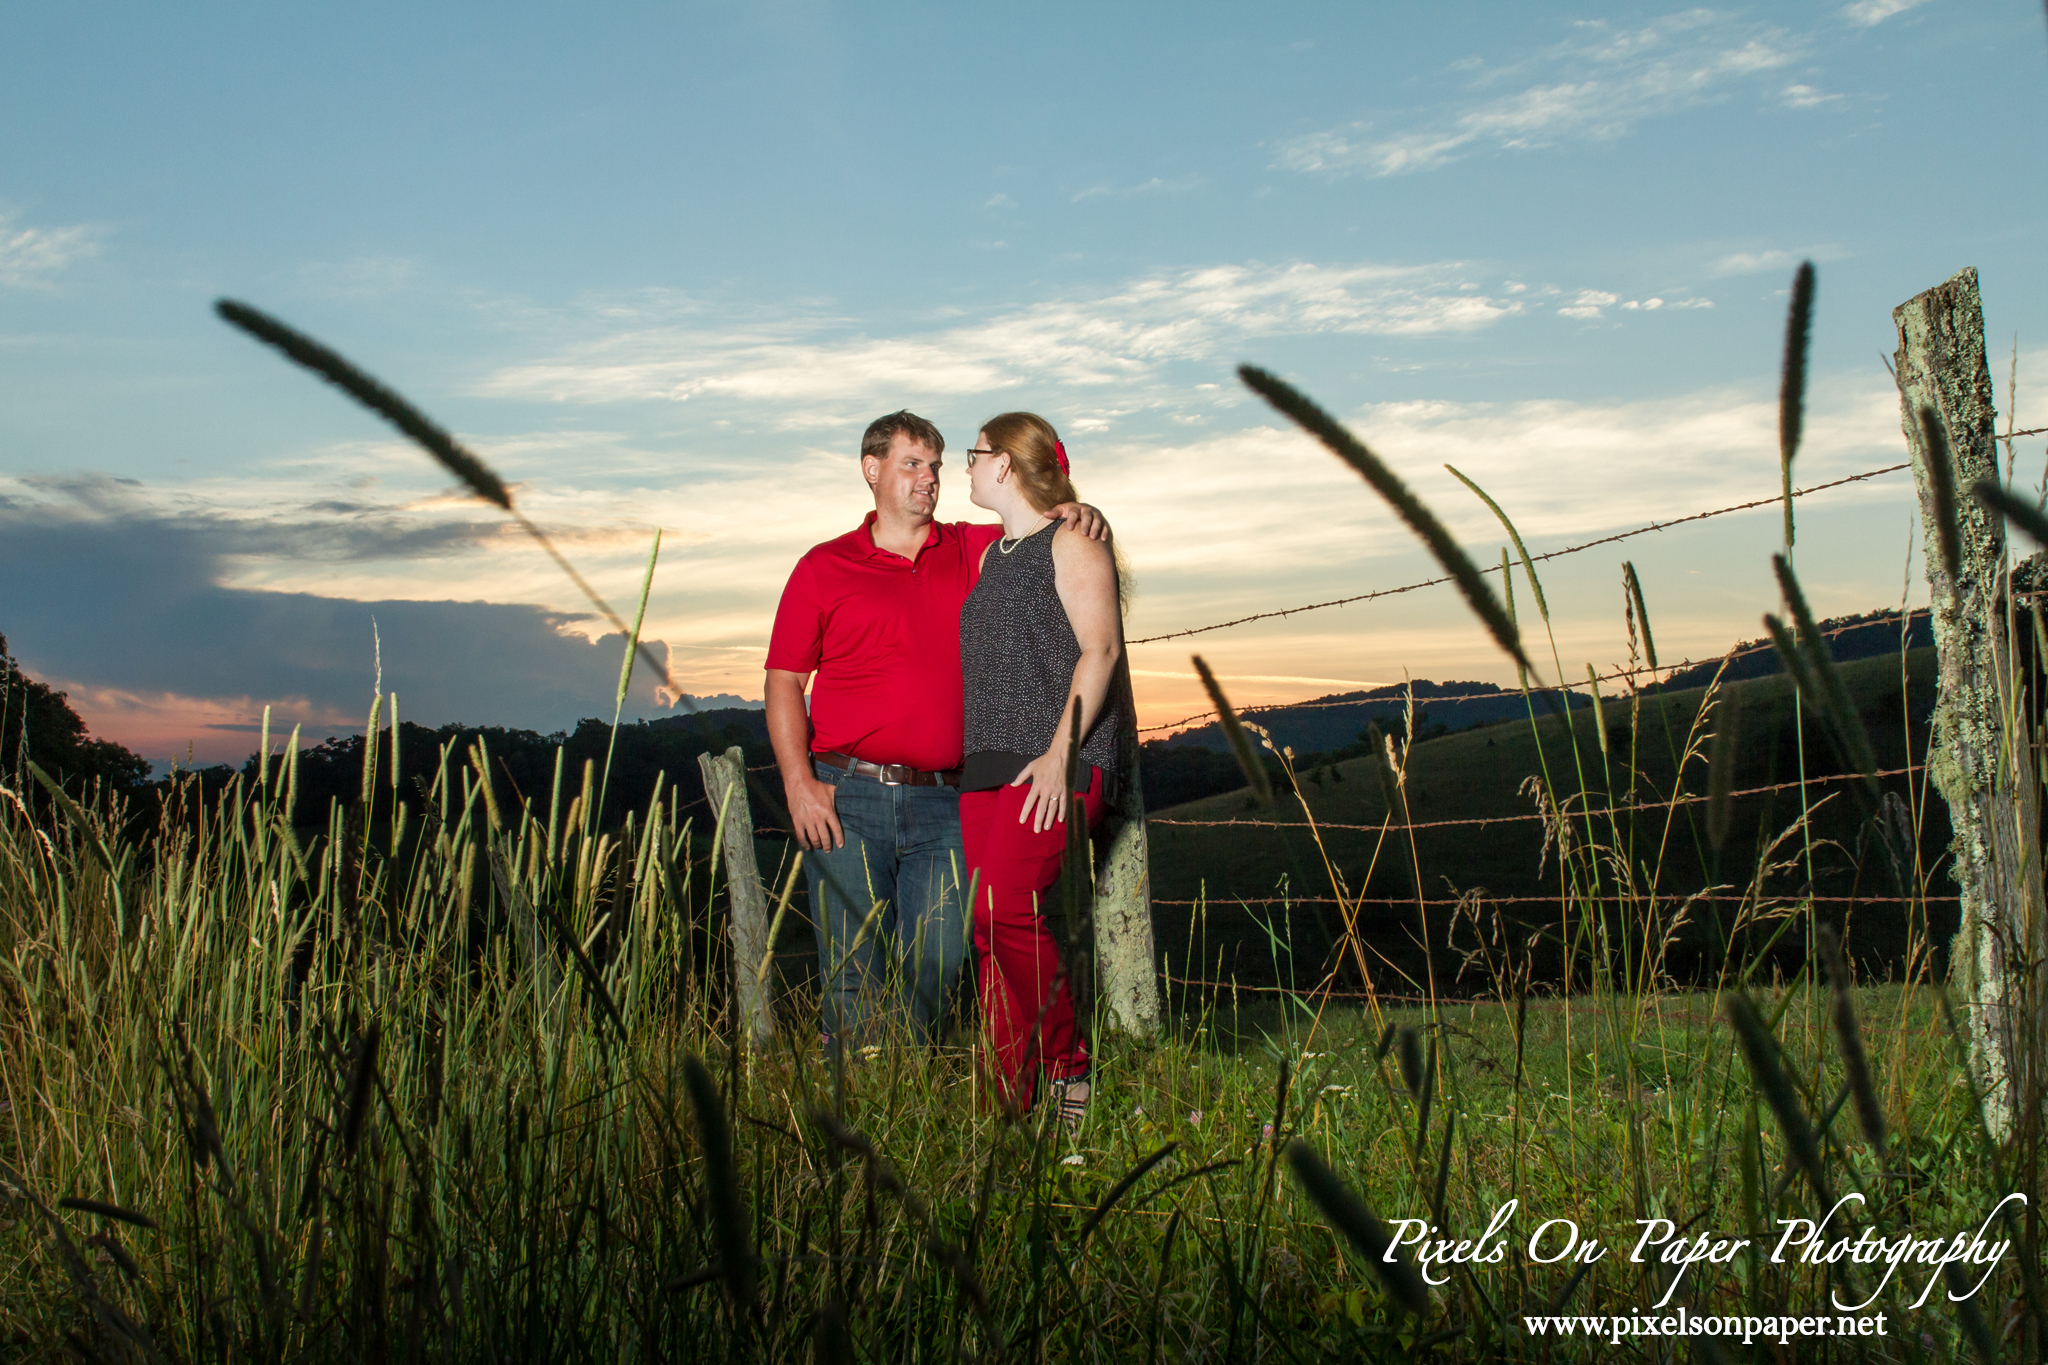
(888, 774)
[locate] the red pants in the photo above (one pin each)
(1026, 1009)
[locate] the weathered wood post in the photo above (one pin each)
(725, 784)
(1982, 759)
(1123, 904)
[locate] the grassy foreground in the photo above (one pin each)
(277, 1100)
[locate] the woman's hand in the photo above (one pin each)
(1045, 805)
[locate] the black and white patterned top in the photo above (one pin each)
(1017, 656)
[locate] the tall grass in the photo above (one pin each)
(310, 1099)
(430, 1077)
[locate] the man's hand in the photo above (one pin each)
(1089, 521)
(814, 811)
(813, 808)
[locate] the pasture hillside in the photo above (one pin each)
(1330, 723)
(1238, 898)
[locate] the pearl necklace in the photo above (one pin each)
(1009, 543)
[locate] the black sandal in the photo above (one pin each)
(1072, 1106)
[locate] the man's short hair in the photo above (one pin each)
(883, 431)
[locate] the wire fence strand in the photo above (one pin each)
(1550, 554)
(1686, 799)
(1578, 897)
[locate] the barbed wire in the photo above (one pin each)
(1550, 554)
(1603, 897)
(1685, 800)
(1534, 1001)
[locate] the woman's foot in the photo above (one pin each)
(1070, 1098)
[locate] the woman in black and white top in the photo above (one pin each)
(1040, 635)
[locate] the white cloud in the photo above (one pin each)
(1283, 523)
(1220, 524)
(1588, 303)
(1869, 13)
(1000, 201)
(1652, 305)
(1806, 97)
(1594, 88)
(1119, 338)
(31, 256)
(1179, 184)
(1772, 260)
(1564, 470)
(1754, 262)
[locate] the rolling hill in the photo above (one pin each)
(1471, 791)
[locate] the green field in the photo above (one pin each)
(311, 1102)
(1659, 852)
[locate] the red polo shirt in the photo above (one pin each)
(882, 635)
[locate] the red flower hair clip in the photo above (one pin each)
(1059, 451)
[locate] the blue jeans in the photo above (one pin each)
(902, 850)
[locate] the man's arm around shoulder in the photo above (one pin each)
(1080, 516)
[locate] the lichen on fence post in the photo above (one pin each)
(1129, 991)
(725, 783)
(1982, 759)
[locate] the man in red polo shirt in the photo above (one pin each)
(871, 771)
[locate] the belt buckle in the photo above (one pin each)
(861, 767)
(882, 774)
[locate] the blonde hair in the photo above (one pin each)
(1034, 449)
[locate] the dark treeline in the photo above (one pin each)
(1849, 637)
(37, 725)
(524, 763)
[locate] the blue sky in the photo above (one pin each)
(660, 265)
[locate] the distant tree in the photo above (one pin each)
(38, 725)
(523, 763)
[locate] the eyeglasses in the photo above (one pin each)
(971, 453)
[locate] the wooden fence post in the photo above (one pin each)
(1982, 759)
(725, 784)
(1123, 907)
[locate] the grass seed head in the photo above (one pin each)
(1233, 730)
(362, 1080)
(1641, 610)
(1792, 382)
(1766, 1065)
(1721, 761)
(1348, 1214)
(721, 1179)
(1941, 484)
(105, 1210)
(1849, 1038)
(1411, 1060)
(330, 366)
(1993, 497)
(1405, 504)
